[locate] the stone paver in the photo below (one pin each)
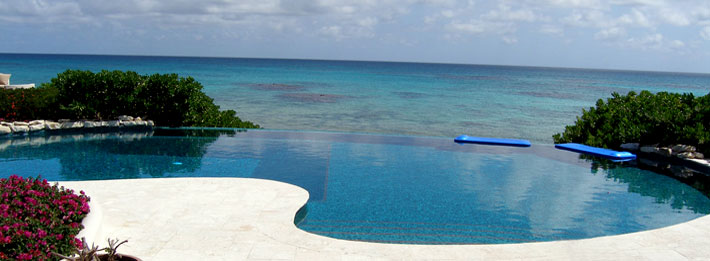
(252, 219)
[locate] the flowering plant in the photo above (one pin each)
(28, 104)
(91, 253)
(37, 218)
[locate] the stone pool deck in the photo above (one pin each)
(252, 219)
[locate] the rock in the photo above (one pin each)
(665, 151)
(125, 118)
(140, 122)
(72, 125)
(89, 124)
(630, 146)
(114, 123)
(63, 120)
(699, 155)
(50, 125)
(36, 127)
(6, 124)
(102, 124)
(20, 129)
(37, 122)
(683, 148)
(150, 123)
(137, 119)
(128, 123)
(686, 155)
(20, 123)
(648, 149)
(5, 130)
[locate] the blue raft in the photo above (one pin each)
(492, 141)
(600, 152)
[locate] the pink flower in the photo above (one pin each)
(30, 217)
(41, 233)
(25, 256)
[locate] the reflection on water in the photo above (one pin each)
(386, 188)
(120, 155)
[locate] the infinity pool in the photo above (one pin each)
(396, 189)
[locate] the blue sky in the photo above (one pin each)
(654, 35)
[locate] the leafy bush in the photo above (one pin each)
(38, 218)
(662, 118)
(28, 104)
(167, 99)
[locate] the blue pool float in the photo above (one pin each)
(600, 152)
(492, 141)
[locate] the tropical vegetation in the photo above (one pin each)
(167, 99)
(646, 118)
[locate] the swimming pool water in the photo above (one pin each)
(376, 188)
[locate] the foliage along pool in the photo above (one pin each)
(397, 189)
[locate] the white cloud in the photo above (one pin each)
(675, 17)
(504, 21)
(586, 4)
(510, 39)
(625, 23)
(614, 33)
(505, 13)
(332, 31)
(639, 2)
(705, 33)
(368, 22)
(552, 29)
(590, 18)
(654, 41)
(448, 13)
(636, 18)
(472, 27)
(677, 44)
(443, 3)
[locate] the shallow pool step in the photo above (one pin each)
(413, 233)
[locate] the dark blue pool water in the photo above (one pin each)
(387, 188)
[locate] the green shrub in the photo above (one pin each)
(167, 99)
(662, 118)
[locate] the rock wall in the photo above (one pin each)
(679, 159)
(21, 128)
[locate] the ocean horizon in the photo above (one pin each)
(372, 61)
(409, 98)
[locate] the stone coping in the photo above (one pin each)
(252, 219)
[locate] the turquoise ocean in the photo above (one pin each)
(443, 100)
